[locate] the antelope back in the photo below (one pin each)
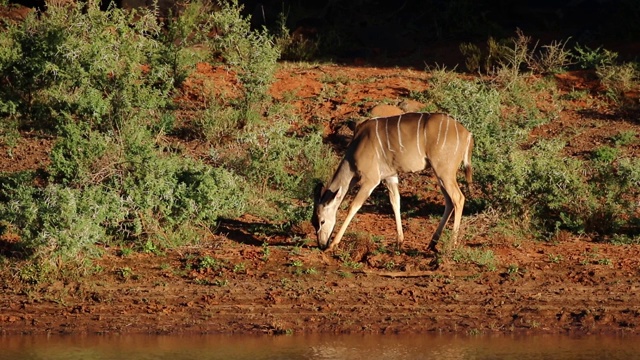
(403, 143)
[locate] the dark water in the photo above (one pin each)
(365, 347)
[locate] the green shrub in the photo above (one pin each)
(284, 166)
(555, 192)
(605, 154)
(498, 53)
(617, 186)
(292, 47)
(29, 67)
(625, 138)
(551, 58)
(618, 79)
(185, 32)
(587, 58)
(480, 257)
(478, 107)
(251, 54)
(169, 191)
(472, 56)
(145, 197)
(508, 57)
(75, 157)
(538, 183)
(104, 82)
(60, 222)
(217, 123)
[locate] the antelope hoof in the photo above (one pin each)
(432, 247)
(398, 246)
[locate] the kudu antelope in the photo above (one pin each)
(383, 147)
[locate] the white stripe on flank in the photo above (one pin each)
(399, 135)
(439, 131)
(386, 129)
(380, 141)
(418, 136)
(466, 151)
(446, 132)
(426, 138)
(457, 136)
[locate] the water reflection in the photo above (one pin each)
(356, 347)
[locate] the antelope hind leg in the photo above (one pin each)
(448, 209)
(454, 202)
(394, 197)
(458, 205)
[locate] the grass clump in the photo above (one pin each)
(482, 258)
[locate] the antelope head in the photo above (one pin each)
(326, 203)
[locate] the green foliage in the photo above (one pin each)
(105, 86)
(551, 58)
(26, 64)
(625, 138)
(60, 222)
(587, 58)
(478, 107)
(509, 56)
(75, 157)
(605, 154)
(144, 200)
(209, 263)
(618, 79)
(536, 183)
(292, 47)
(217, 122)
(484, 258)
(251, 54)
(284, 165)
(540, 185)
(496, 54)
(96, 71)
(617, 186)
(178, 55)
(472, 56)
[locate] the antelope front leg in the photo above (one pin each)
(394, 197)
(361, 197)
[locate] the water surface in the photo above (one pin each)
(355, 347)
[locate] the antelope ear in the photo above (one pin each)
(338, 193)
(317, 192)
(329, 196)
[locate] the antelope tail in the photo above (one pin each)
(466, 162)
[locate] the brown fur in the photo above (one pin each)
(384, 147)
